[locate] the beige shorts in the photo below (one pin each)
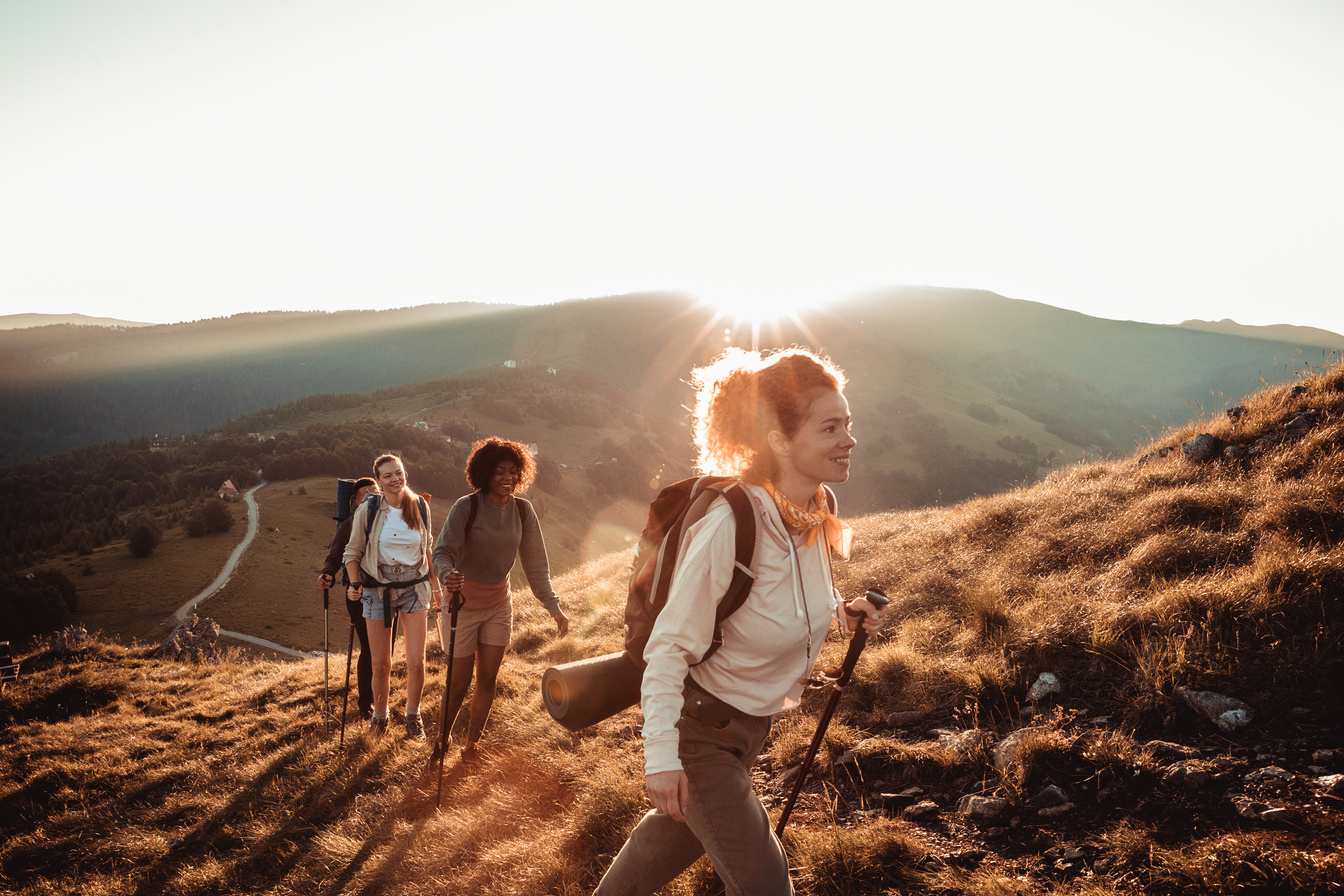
(491, 626)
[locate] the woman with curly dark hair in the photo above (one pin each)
(484, 532)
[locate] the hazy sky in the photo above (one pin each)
(164, 160)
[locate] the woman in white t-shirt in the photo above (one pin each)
(388, 562)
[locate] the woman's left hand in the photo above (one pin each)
(561, 623)
(873, 617)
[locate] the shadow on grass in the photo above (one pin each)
(419, 803)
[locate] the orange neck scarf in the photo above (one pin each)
(838, 535)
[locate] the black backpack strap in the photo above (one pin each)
(373, 501)
(739, 587)
(474, 505)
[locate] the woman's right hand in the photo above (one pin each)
(669, 792)
(354, 591)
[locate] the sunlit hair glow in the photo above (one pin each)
(410, 502)
(742, 396)
(487, 454)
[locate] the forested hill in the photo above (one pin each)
(956, 392)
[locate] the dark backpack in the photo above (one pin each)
(345, 496)
(585, 692)
(675, 508)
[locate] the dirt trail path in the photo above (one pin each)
(253, 518)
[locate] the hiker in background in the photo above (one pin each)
(781, 423)
(363, 487)
(483, 533)
(388, 562)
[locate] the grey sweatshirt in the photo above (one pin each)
(497, 537)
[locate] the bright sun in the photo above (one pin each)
(750, 315)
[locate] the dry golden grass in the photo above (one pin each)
(123, 775)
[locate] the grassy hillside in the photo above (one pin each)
(1130, 580)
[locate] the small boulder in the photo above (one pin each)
(193, 640)
(1047, 685)
(923, 810)
(965, 744)
(1268, 773)
(982, 808)
(1050, 796)
(1203, 448)
(1332, 784)
(1183, 774)
(1005, 753)
(1227, 713)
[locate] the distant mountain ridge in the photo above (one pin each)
(955, 392)
(24, 321)
(1277, 332)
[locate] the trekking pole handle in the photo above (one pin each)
(878, 599)
(326, 598)
(874, 597)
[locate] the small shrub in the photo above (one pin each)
(145, 536)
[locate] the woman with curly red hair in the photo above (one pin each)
(780, 423)
(482, 535)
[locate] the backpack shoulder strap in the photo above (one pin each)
(744, 550)
(471, 514)
(373, 501)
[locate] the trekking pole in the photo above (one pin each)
(326, 666)
(440, 748)
(856, 645)
(345, 703)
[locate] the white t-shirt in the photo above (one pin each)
(398, 542)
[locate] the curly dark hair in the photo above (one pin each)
(487, 454)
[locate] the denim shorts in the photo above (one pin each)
(404, 600)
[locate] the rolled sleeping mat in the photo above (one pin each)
(585, 692)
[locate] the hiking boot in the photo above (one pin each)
(470, 753)
(378, 726)
(415, 728)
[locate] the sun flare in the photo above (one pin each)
(753, 317)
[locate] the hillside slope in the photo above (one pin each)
(956, 392)
(1135, 582)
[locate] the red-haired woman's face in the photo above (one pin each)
(820, 450)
